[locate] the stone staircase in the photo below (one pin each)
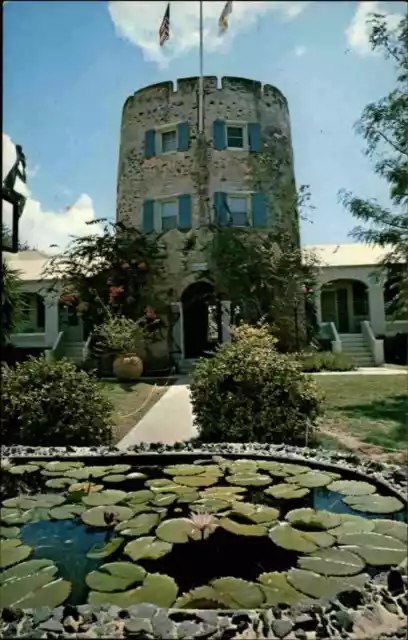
(187, 365)
(354, 345)
(74, 351)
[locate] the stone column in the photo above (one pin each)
(178, 330)
(226, 320)
(51, 318)
(376, 308)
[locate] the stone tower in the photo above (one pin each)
(171, 180)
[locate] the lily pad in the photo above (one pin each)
(138, 526)
(110, 496)
(257, 513)
(161, 485)
(61, 467)
(317, 586)
(66, 512)
(58, 483)
(44, 501)
(115, 576)
(376, 549)
(188, 496)
(9, 532)
(106, 515)
(286, 492)
(237, 593)
(295, 469)
(313, 520)
(276, 469)
(87, 472)
(115, 477)
(310, 480)
(157, 589)
(178, 530)
(352, 524)
(215, 492)
(242, 466)
(84, 487)
(118, 468)
(277, 590)
(242, 529)
(212, 505)
(12, 551)
(17, 587)
(333, 562)
(287, 537)
(196, 481)
(374, 503)
(136, 475)
(20, 469)
(163, 500)
(105, 550)
(184, 470)
(204, 597)
(352, 487)
(14, 516)
(148, 547)
(249, 479)
(137, 497)
(391, 528)
(27, 568)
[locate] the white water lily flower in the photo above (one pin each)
(203, 521)
(5, 464)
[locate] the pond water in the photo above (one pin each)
(267, 524)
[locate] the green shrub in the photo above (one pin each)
(53, 404)
(249, 392)
(327, 361)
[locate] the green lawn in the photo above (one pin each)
(372, 409)
(131, 401)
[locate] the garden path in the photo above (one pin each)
(169, 421)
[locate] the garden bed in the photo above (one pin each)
(189, 575)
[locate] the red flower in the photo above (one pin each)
(150, 313)
(115, 291)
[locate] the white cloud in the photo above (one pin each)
(358, 31)
(41, 228)
(139, 23)
(300, 51)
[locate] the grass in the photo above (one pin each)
(372, 409)
(131, 401)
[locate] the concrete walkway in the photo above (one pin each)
(170, 420)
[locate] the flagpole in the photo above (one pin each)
(201, 78)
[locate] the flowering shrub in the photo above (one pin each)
(121, 335)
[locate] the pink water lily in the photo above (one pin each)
(205, 522)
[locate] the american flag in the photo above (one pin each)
(164, 31)
(223, 21)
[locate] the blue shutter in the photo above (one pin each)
(148, 216)
(219, 135)
(183, 131)
(150, 143)
(221, 211)
(254, 133)
(184, 211)
(259, 217)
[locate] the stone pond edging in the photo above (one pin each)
(379, 611)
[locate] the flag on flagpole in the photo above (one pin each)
(164, 31)
(223, 21)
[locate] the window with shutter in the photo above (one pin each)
(169, 214)
(254, 136)
(169, 141)
(184, 213)
(238, 210)
(259, 213)
(148, 216)
(219, 135)
(221, 208)
(150, 143)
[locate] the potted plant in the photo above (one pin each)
(126, 339)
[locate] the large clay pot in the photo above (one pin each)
(128, 367)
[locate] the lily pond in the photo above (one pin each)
(216, 533)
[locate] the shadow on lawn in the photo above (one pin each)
(394, 408)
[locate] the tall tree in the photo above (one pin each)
(384, 126)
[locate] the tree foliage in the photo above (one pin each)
(110, 273)
(12, 304)
(384, 126)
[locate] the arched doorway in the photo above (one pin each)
(201, 319)
(345, 302)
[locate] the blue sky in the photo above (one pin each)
(69, 67)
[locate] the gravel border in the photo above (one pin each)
(379, 611)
